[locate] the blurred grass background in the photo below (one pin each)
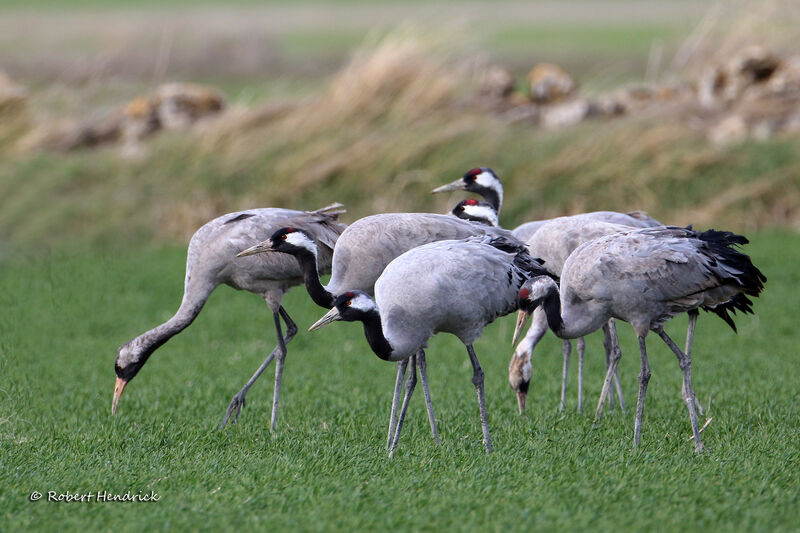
(374, 116)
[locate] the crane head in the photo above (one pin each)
(475, 180)
(476, 211)
(519, 377)
(287, 240)
(131, 357)
(349, 306)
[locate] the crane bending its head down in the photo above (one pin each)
(211, 261)
(646, 277)
(448, 286)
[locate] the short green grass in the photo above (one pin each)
(65, 312)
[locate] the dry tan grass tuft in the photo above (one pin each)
(397, 120)
(732, 25)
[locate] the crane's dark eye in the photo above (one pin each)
(471, 178)
(347, 303)
(283, 236)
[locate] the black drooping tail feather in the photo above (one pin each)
(732, 267)
(532, 266)
(524, 266)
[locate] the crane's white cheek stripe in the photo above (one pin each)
(300, 240)
(362, 303)
(486, 180)
(481, 212)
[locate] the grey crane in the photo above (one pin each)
(646, 277)
(553, 243)
(453, 286)
(211, 261)
(360, 256)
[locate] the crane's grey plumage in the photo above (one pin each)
(645, 277)
(634, 219)
(372, 242)
(211, 261)
(362, 253)
(448, 286)
(526, 230)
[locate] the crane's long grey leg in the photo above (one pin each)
(238, 401)
(398, 384)
(566, 349)
(611, 343)
(477, 380)
(614, 344)
(685, 363)
(423, 376)
(610, 397)
(614, 355)
(581, 349)
(644, 379)
(689, 339)
(612, 326)
(618, 386)
(411, 382)
(281, 360)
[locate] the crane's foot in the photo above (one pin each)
(235, 407)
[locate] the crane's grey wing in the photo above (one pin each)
(525, 231)
(557, 239)
(636, 219)
(216, 244)
(679, 267)
(368, 245)
(322, 224)
(642, 216)
(468, 279)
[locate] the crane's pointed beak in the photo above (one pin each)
(118, 388)
(259, 248)
(521, 397)
(522, 320)
(331, 316)
(457, 185)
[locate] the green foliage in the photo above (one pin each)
(65, 313)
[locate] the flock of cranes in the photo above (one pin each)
(408, 276)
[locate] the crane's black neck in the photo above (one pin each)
(492, 197)
(552, 309)
(148, 342)
(373, 330)
(318, 293)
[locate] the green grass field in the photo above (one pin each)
(65, 312)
